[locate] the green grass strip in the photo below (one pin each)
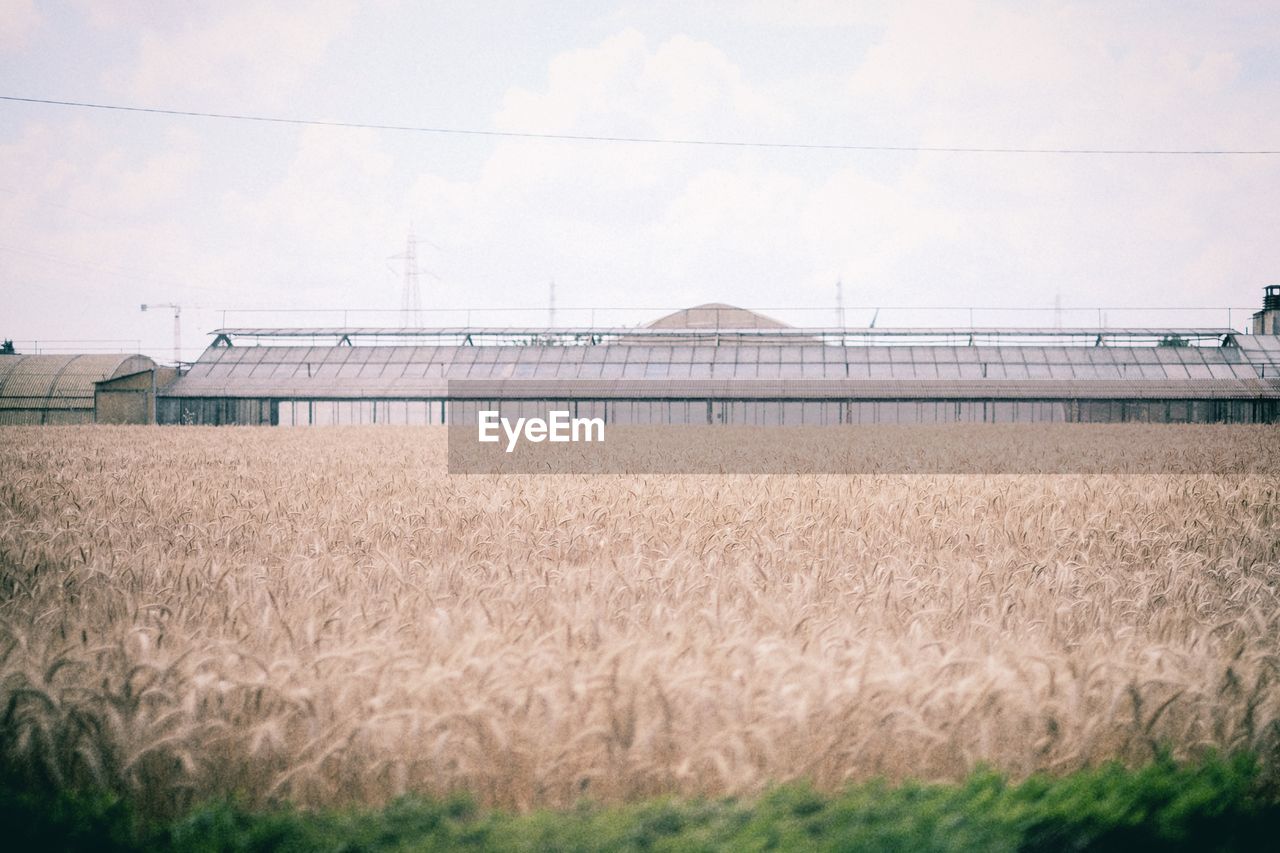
(1214, 804)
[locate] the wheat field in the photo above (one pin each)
(324, 616)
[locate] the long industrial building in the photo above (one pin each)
(717, 364)
(712, 364)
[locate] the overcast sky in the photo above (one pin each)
(101, 211)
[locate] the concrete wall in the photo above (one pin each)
(1266, 323)
(130, 399)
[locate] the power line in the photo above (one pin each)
(109, 270)
(645, 140)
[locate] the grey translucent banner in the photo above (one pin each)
(564, 437)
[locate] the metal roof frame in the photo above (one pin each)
(783, 389)
(584, 335)
(430, 370)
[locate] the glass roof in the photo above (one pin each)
(386, 366)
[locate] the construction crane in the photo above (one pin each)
(177, 327)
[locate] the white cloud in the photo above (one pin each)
(694, 86)
(122, 188)
(583, 81)
(971, 73)
(738, 229)
(18, 20)
(621, 87)
(333, 197)
(91, 229)
(1058, 75)
(309, 217)
(249, 54)
(763, 229)
(817, 13)
(76, 182)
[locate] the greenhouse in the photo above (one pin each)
(751, 372)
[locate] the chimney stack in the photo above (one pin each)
(1267, 321)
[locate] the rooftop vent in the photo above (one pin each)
(1267, 321)
(1271, 297)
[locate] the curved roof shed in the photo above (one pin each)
(58, 389)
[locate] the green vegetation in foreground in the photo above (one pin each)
(1216, 804)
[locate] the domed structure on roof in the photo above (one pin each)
(716, 315)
